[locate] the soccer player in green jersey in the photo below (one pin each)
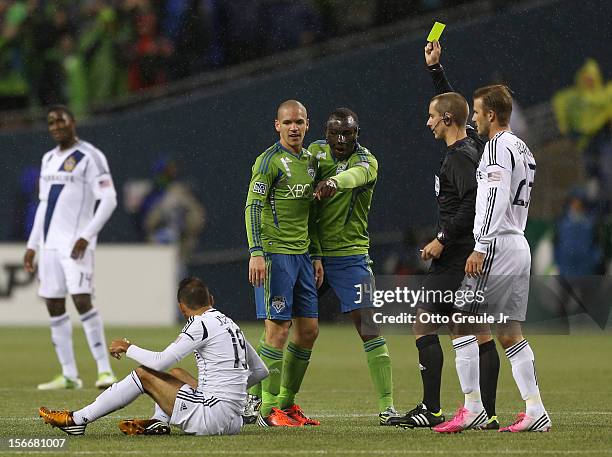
(340, 243)
(277, 210)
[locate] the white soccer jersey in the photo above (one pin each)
(224, 358)
(505, 177)
(70, 183)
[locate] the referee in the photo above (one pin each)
(455, 189)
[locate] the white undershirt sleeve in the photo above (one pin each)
(257, 366)
(161, 361)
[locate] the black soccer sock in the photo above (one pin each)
(489, 371)
(430, 363)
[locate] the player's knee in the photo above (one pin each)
(309, 334)
(277, 336)
(142, 373)
(82, 302)
(56, 306)
(177, 372)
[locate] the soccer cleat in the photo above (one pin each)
(277, 418)
(418, 417)
(61, 382)
(251, 409)
(105, 380)
(462, 420)
(491, 424)
(525, 423)
(386, 415)
(296, 413)
(62, 420)
(144, 427)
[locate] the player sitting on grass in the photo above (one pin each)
(210, 405)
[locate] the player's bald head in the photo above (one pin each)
(290, 105)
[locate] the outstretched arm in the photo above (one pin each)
(433, 51)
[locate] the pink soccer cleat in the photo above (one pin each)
(462, 420)
(525, 423)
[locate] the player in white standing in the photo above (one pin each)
(211, 405)
(500, 264)
(73, 176)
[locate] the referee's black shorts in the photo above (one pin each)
(446, 274)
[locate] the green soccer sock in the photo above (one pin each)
(270, 386)
(379, 364)
(294, 368)
(256, 389)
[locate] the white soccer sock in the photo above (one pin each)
(61, 336)
(160, 414)
(94, 331)
(117, 396)
(468, 369)
(523, 369)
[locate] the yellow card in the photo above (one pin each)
(436, 32)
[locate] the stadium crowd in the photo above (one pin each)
(93, 51)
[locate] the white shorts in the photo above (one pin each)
(59, 274)
(200, 413)
(503, 289)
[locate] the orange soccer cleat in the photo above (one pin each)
(296, 413)
(278, 418)
(62, 420)
(144, 427)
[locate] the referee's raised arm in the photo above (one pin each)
(433, 50)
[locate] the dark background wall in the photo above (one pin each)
(216, 136)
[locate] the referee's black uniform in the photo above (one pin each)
(455, 188)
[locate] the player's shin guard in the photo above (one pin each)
(489, 372)
(296, 360)
(61, 335)
(270, 386)
(379, 364)
(256, 389)
(94, 331)
(431, 359)
(115, 397)
(523, 369)
(467, 363)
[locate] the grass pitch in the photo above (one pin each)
(575, 375)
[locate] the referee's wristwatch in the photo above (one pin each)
(441, 237)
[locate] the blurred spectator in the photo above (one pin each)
(48, 28)
(583, 111)
(289, 24)
(170, 213)
(99, 44)
(242, 30)
(13, 84)
(74, 87)
(149, 55)
(194, 31)
(577, 249)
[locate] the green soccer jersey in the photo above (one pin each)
(340, 223)
(279, 201)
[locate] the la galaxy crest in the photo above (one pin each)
(69, 164)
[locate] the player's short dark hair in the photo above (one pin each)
(60, 109)
(193, 293)
(496, 98)
(343, 113)
(455, 104)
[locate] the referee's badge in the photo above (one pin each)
(437, 186)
